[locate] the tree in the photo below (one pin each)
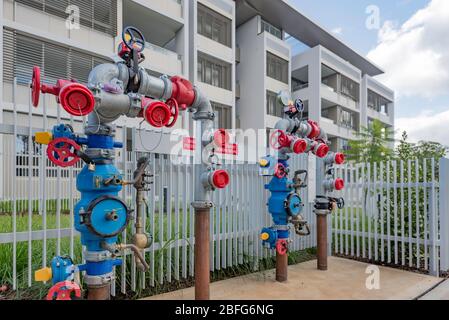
(373, 144)
(422, 150)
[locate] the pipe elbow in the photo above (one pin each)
(106, 73)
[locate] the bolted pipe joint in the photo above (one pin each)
(331, 184)
(334, 158)
(217, 179)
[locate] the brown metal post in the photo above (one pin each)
(321, 241)
(202, 245)
(281, 267)
(99, 292)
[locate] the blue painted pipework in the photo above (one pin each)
(90, 183)
(280, 189)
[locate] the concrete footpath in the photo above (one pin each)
(345, 279)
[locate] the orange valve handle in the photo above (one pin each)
(174, 110)
(62, 152)
(64, 290)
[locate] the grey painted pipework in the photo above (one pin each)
(204, 117)
(107, 82)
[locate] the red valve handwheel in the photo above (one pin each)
(279, 171)
(279, 140)
(63, 291)
(77, 99)
(174, 110)
(62, 152)
(36, 86)
(282, 247)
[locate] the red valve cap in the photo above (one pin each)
(77, 99)
(157, 114)
(36, 86)
(322, 150)
(339, 184)
(300, 146)
(339, 158)
(221, 137)
(220, 179)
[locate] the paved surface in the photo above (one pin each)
(439, 293)
(345, 279)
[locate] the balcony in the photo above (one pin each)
(162, 60)
(332, 128)
(169, 8)
(331, 94)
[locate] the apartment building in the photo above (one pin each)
(237, 52)
(194, 39)
(335, 82)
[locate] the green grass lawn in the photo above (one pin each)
(161, 265)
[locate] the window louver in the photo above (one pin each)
(100, 15)
(21, 53)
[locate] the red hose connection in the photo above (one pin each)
(220, 179)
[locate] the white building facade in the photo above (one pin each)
(236, 51)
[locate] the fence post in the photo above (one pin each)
(444, 214)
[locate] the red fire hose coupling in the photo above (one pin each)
(320, 149)
(218, 179)
(331, 185)
(74, 97)
(335, 158)
(156, 113)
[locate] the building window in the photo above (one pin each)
(277, 68)
(223, 115)
(349, 88)
(274, 107)
(214, 26)
(299, 84)
(56, 62)
(267, 27)
(344, 144)
(377, 102)
(347, 119)
(214, 72)
(100, 15)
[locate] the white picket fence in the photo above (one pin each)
(383, 203)
(396, 213)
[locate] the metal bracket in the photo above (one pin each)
(202, 204)
(99, 280)
(97, 256)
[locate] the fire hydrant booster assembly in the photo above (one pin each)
(113, 90)
(293, 135)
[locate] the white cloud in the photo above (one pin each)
(415, 55)
(427, 126)
(337, 30)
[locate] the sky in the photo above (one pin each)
(409, 39)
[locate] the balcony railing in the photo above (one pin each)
(162, 60)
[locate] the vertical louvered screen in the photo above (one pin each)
(100, 15)
(21, 53)
(8, 55)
